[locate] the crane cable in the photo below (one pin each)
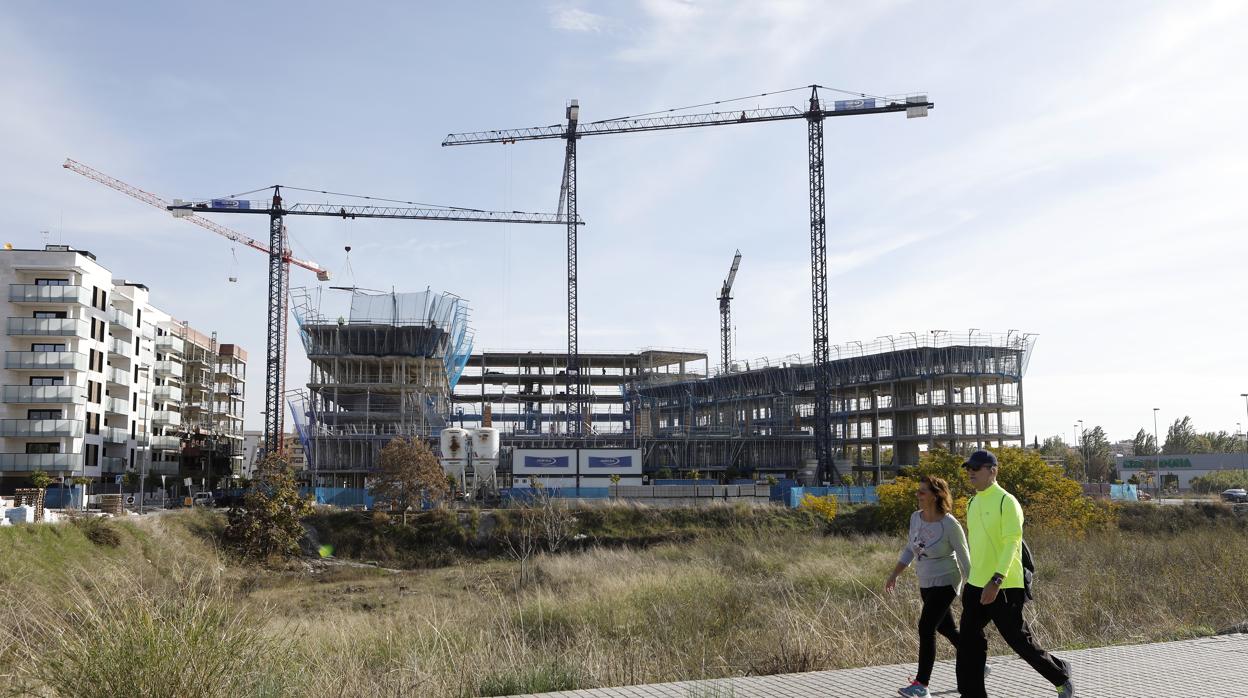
(738, 99)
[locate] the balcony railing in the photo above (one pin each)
(167, 393)
(168, 344)
(168, 368)
(110, 464)
(47, 327)
(27, 462)
(117, 316)
(230, 389)
(166, 418)
(121, 347)
(34, 293)
(115, 435)
(41, 427)
(117, 405)
(46, 360)
(38, 394)
(166, 443)
(119, 376)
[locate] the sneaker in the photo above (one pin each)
(914, 690)
(1066, 690)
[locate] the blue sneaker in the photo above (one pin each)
(914, 690)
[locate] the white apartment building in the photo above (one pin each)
(94, 378)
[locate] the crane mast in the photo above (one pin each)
(725, 315)
(814, 114)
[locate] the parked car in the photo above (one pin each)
(202, 499)
(1237, 495)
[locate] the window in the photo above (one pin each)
(47, 380)
(47, 347)
(43, 448)
(50, 314)
(92, 455)
(44, 414)
(51, 282)
(93, 422)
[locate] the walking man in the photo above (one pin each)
(994, 589)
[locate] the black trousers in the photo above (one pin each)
(935, 618)
(1006, 612)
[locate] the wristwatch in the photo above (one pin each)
(997, 579)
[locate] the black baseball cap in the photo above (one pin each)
(980, 459)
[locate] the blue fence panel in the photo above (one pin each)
(63, 497)
(856, 494)
(1124, 493)
(346, 497)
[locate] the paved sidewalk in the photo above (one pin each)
(1215, 666)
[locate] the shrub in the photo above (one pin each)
(823, 507)
(267, 523)
(1049, 498)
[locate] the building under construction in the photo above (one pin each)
(891, 400)
(386, 369)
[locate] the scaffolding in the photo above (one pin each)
(387, 369)
(891, 399)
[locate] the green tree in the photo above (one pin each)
(131, 480)
(409, 473)
(1181, 437)
(1221, 442)
(267, 524)
(40, 480)
(1144, 444)
(1054, 447)
(1095, 449)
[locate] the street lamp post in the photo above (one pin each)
(1157, 454)
(1083, 449)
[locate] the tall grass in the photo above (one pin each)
(746, 600)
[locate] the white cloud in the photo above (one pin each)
(575, 19)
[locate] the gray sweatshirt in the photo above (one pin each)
(933, 547)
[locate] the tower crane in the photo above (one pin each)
(725, 315)
(814, 113)
(151, 199)
(277, 210)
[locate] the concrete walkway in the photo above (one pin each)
(1215, 666)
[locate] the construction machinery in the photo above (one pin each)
(151, 199)
(276, 210)
(815, 112)
(725, 316)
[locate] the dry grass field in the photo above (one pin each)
(162, 613)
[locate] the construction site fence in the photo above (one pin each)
(845, 494)
(345, 497)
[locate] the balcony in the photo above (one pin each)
(45, 360)
(29, 462)
(47, 327)
(39, 428)
(33, 293)
(115, 435)
(167, 443)
(231, 370)
(168, 344)
(168, 369)
(118, 376)
(165, 418)
(121, 318)
(116, 405)
(234, 390)
(108, 464)
(120, 347)
(40, 394)
(167, 393)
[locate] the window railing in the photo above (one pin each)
(41, 427)
(47, 327)
(34, 293)
(46, 360)
(35, 394)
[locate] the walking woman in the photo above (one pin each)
(937, 546)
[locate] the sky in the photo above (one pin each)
(1077, 179)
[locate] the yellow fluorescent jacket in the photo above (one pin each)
(994, 529)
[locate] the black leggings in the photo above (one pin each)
(935, 618)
